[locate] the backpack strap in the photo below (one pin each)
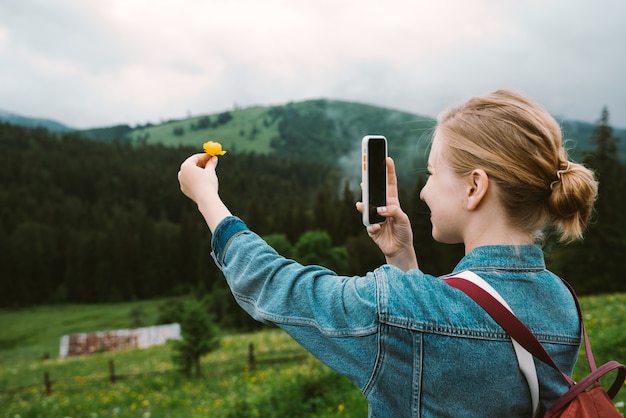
(506, 319)
(520, 332)
(524, 357)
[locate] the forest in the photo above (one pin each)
(89, 221)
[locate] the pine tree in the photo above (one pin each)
(596, 264)
(607, 236)
(200, 336)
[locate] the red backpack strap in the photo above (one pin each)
(507, 320)
(525, 337)
(596, 372)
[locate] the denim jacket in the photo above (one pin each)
(413, 345)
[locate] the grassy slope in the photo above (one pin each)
(81, 388)
(236, 135)
(407, 133)
(26, 335)
(355, 119)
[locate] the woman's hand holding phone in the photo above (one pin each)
(394, 236)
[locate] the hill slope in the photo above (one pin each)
(259, 128)
(29, 122)
(323, 129)
(326, 131)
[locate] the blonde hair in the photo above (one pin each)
(519, 145)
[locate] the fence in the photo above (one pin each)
(249, 362)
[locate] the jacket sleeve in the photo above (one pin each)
(333, 317)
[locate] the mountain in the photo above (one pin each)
(324, 130)
(29, 122)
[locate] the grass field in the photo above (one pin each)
(297, 388)
(81, 388)
(250, 129)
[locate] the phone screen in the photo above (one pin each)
(377, 177)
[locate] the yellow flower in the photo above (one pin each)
(213, 148)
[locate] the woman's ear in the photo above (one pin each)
(477, 188)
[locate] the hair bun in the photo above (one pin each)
(571, 200)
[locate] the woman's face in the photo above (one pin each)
(443, 193)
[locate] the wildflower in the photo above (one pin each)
(213, 148)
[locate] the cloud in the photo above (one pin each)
(4, 37)
(131, 61)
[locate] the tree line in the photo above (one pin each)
(91, 221)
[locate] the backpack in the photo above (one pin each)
(577, 401)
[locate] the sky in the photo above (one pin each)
(95, 63)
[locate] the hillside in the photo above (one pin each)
(242, 130)
(29, 122)
(314, 129)
(325, 130)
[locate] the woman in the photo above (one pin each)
(414, 346)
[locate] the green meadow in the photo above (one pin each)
(250, 129)
(285, 382)
(148, 384)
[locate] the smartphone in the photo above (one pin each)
(373, 177)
